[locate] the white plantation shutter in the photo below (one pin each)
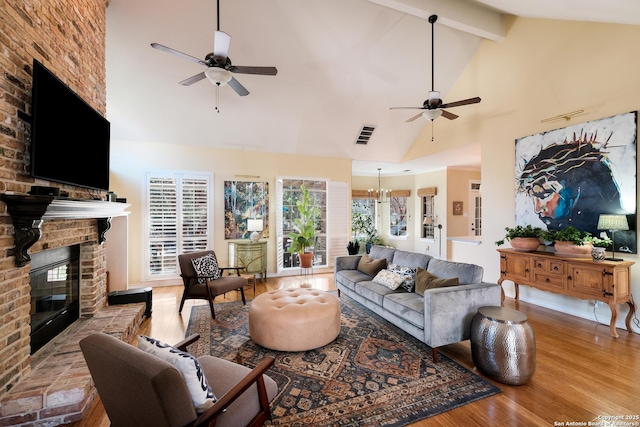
(178, 220)
(339, 224)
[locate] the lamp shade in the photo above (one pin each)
(254, 225)
(432, 114)
(612, 222)
(218, 76)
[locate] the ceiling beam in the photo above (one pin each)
(462, 15)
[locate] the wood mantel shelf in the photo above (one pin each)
(29, 212)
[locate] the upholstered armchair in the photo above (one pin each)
(204, 279)
(139, 388)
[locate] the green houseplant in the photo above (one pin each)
(522, 238)
(304, 231)
(570, 241)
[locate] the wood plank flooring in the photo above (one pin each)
(582, 373)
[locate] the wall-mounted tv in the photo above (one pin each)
(69, 139)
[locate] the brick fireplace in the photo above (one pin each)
(68, 36)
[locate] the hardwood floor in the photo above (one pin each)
(582, 373)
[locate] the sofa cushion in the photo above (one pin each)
(411, 259)
(194, 377)
(426, 280)
(378, 252)
(466, 273)
(372, 291)
(407, 305)
(349, 278)
(371, 266)
(409, 274)
(390, 279)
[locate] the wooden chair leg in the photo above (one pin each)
(184, 297)
(434, 354)
(213, 313)
(244, 301)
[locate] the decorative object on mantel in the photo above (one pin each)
(569, 176)
(29, 212)
(382, 195)
(613, 223)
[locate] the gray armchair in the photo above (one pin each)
(140, 389)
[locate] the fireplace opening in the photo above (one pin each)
(55, 285)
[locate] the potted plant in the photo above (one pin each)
(522, 238)
(353, 247)
(569, 241)
(600, 245)
(304, 231)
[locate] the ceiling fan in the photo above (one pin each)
(433, 106)
(218, 63)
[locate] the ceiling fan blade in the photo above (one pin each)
(448, 115)
(264, 71)
(177, 53)
(235, 85)
(193, 79)
(221, 41)
(414, 117)
(406, 108)
(459, 103)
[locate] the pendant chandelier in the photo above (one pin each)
(381, 195)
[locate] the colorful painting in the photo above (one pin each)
(244, 200)
(569, 176)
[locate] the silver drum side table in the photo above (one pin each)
(503, 346)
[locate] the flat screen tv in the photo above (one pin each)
(69, 139)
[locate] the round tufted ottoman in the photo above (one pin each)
(294, 319)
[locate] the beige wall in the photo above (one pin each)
(541, 69)
(130, 160)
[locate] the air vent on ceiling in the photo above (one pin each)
(365, 134)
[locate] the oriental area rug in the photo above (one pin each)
(373, 374)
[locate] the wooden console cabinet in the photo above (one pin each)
(606, 281)
(249, 255)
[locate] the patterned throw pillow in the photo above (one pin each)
(201, 393)
(206, 266)
(409, 274)
(388, 278)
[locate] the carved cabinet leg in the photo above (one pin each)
(614, 318)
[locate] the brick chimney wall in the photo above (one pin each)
(68, 37)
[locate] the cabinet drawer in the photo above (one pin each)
(548, 280)
(548, 265)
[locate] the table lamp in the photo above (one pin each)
(613, 223)
(256, 226)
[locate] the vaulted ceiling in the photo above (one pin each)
(341, 65)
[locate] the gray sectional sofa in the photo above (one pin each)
(439, 317)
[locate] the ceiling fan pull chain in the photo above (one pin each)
(217, 97)
(432, 137)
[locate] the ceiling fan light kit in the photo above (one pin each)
(432, 114)
(218, 76)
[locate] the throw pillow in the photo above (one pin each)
(426, 280)
(201, 393)
(409, 274)
(371, 266)
(206, 266)
(389, 279)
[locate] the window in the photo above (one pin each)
(398, 217)
(428, 217)
(177, 219)
(290, 194)
(363, 215)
